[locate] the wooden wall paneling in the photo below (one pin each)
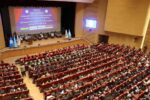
(34, 50)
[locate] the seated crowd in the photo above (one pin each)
(11, 83)
(96, 72)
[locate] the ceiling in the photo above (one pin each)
(82, 1)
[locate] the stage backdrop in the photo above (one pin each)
(35, 19)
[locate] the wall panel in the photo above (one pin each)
(118, 38)
(147, 38)
(2, 40)
(96, 10)
(126, 16)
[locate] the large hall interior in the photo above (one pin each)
(75, 50)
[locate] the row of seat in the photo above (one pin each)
(70, 77)
(52, 53)
(101, 71)
(11, 84)
(133, 88)
(112, 73)
(70, 71)
(96, 80)
(55, 67)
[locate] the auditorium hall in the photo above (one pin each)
(75, 50)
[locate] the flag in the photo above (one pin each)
(69, 34)
(11, 42)
(15, 42)
(66, 34)
(18, 41)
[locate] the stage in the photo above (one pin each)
(40, 46)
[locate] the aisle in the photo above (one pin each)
(33, 90)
